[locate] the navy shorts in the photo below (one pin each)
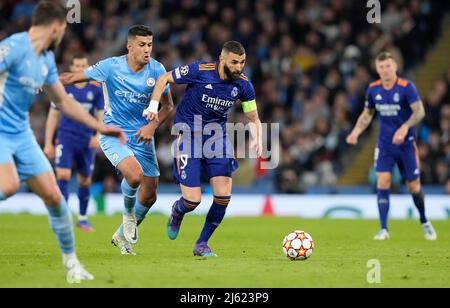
(70, 151)
(406, 156)
(208, 158)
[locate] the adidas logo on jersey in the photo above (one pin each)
(378, 97)
(209, 87)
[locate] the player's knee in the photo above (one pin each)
(193, 197)
(10, 189)
(52, 198)
(384, 183)
(414, 187)
(135, 179)
(148, 201)
(84, 182)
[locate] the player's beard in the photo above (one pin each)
(230, 75)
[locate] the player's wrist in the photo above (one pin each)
(153, 106)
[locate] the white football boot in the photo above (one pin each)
(382, 235)
(130, 230)
(430, 234)
(75, 271)
(121, 243)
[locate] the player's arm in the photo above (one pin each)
(363, 122)
(255, 129)
(50, 130)
(151, 113)
(147, 132)
(72, 78)
(416, 117)
(73, 110)
(94, 143)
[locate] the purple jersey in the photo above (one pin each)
(91, 99)
(393, 108)
(207, 96)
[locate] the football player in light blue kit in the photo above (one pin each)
(212, 89)
(128, 82)
(399, 109)
(27, 63)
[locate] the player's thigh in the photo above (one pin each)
(148, 191)
(384, 180)
(145, 154)
(122, 158)
(131, 170)
(44, 185)
(9, 179)
(221, 186)
(64, 154)
(85, 160)
(30, 160)
(384, 159)
(408, 162)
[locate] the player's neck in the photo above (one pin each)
(222, 74)
(134, 65)
(389, 84)
(81, 85)
(40, 39)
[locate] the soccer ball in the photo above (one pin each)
(298, 245)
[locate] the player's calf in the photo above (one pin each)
(179, 209)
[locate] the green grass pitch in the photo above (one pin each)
(249, 249)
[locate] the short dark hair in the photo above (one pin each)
(234, 47)
(139, 30)
(384, 55)
(78, 56)
(47, 12)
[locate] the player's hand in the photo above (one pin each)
(49, 151)
(65, 78)
(146, 134)
(150, 116)
(256, 145)
(352, 139)
(94, 143)
(400, 135)
(113, 131)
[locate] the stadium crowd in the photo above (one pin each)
(310, 63)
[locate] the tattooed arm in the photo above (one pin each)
(364, 121)
(416, 118)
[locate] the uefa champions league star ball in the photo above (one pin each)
(298, 245)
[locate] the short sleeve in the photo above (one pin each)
(9, 54)
(412, 95)
(100, 71)
(160, 70)
(369, 104)
(186, 74)
(248, 97)
(52, 76)
(99, 99)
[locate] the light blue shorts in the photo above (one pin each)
(145, 154)
(24, 152)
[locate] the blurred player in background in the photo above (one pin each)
(128, 82)
(27, 63)
(75, 142)
(212, 89)
(399, 109)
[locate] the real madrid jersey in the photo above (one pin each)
(127, 94)
(22, 73)
(208, 98)
(393, 108)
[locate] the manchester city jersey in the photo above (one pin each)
(208, 98)
(22, 72)
(91, 99)
(127, 94)
(393, 108)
